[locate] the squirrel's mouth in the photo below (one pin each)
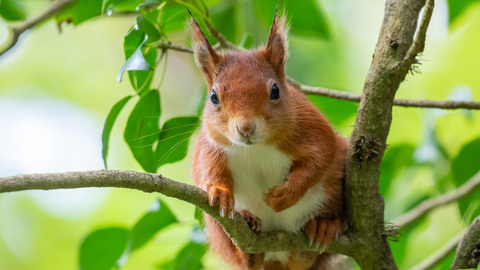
(248, 142)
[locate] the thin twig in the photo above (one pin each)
(418, 44)
(151, 182)
(15, 32)
(441, 254)
(468, 251)
(342, 95)
(165, 45)
(426, 206)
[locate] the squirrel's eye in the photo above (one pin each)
(275, 94)
(214, 98)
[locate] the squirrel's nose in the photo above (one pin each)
(246, 129)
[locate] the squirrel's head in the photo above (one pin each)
(248, 99)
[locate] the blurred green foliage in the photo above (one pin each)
(430, 153)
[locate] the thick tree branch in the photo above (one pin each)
(365, 205)
(16, 31)
(342, 95)
(468, 251)
(441, 254)
(149, 182)
(472, 185)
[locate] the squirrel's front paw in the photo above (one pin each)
(224, 196)
(279, 198)
(253, 222)
(323, 231)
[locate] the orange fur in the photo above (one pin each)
(242, 81)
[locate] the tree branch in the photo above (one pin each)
(365, 204)
(149, 182)
(342, 95)
(15, 32)
(472, 185)
(419, 42)
(437, 257)
(468, 251)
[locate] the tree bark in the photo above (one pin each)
(390, 65)
(468, 251)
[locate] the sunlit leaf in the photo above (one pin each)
(456, 7)
(307, 16)
(102, 248)
(107, 128)
(133, 44)
(174, 138)
(142, 129)
(135, 62)
(464, 166)
(79, 11)
(12, 10)
(121, 5)
(159, 217)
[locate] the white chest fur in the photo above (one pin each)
(255, 169)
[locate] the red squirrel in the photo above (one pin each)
(266, 152)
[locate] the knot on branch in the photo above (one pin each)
(365, 148)
(474, 255)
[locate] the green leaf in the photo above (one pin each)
(12, 10)
(107, 128)
(121, 5)
(336, 111)
(159, 217)
(134, 39)
(395, 158)
(142, 129)
(307, 16)
(464, 166)
(79, 11)
(135, 62)
(149, 29)
(190, 257)
(172, 18)
(174, 137)
(102, 248)
(199, 216)
(456, 7)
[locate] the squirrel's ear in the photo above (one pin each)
(276, 50)
(205, 56)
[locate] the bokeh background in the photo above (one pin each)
(56, 90)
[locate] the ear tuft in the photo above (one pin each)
(276, 50)
(205, 56)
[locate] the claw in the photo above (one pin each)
(222, 212)
(232, 214)
(210, 200)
